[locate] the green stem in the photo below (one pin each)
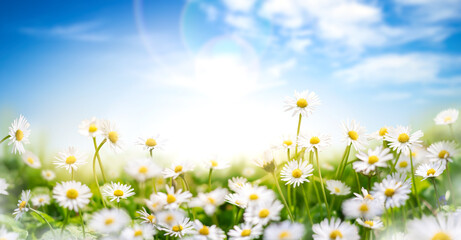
(8, 136)
(436, 194)
(99, 160)
(94, 172)
(154, 185)
(395, 163)
(414, 185)
(346, 158)
(209, 179)
(44, 219)
(321, 183)
(288, 154)
(283, 198)
(369, 182)
(297, 135)
(238, 216)
(358, 181)
(306, 202)
(450, 184)
(83, 223)
(66, 219)
(289, 196)
(341, 162)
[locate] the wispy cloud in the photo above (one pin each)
(82, 31)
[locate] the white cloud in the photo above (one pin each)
(239, 5)
(83, 31)
(239, 21)
(277, 70)
(392, 96)
(299, 44)
(210, 11)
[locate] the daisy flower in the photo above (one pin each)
(210, 201)
(393, 190)
(142, 169)
(70, 159)
(138, 232)
(5, 235)
(147, 217)
(252, 194)
(337, 187)
(203, 232)
(48, 175)
(216, 163)
(314, 141)
(236, 183)
(154, 203)
(303, 103)
(111, 134)
(72, 195)
(248, 172)
(367, 208)
(368, 162)
(430, 170)
(237, 200)
(266, 161)
(442, 227)
(170, 217)
(401, 139)
(90, 128)
(31, 160)
(40, 200)
(284, 231)
(179, 229)
(245, 231)
(107, 221)
(379, 135)
(442, 151)
(446, 117)
(177, 168)
(174, 199)
(286, 142)
(399, 236)
(335, 229)
(418, 154)
(151, 142)
(23, 204)
(263, 212)
(19, 134)
(117, 191)
(364, 196)
(3, 186)
(371, 224)
(403, 164)
(296, 172)
(354, 134)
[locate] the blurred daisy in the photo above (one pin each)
(296, 172)
(364, 196)
(89, 128)
(170, 217)
(263, 212)
(379, 135)
(418, 153)
(142, 169)
(367, 208)
(334, 230)
(314, 141)
(337, 187)
(72, 195)
(442, 227)
(203, 232)
(216, 163)
(401, 139)
(445, 117)
(393, 190)
(138, 232)
(152, 142)
(266, 161)
(371, 224)
(107, 220)
(442, 151)
(48, 175)
(236, 183)
(248, 172)
(19, 134)
(210, 201)
(403, 164)
(23, 204)
(284, 231)
(237, 200)
(368, 162)
(174, 199)
(303, 103)
(31, 160)
(5, 235)
(245, 231)
(147, 217)
(40, 200)
(179, 229)
(154, 203)
(354, 134)
(399, 236)
(252, 194)
(111, 134)
(3, 186)
(177, 168)
(117, 191)
(286, 142)
(430, 170)
(70, 159)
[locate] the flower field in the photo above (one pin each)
(392, 183)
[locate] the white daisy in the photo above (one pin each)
(379, 135)
(203, 232)
(371, 224)
(245, 231)
(70, 159)
(111, 134)
(266, 161)
(403, 164)
(445, 117)
(303, 103)
(216, 163)
(401, 139)
(177, 168)
(151, 142)
(142, 169)
(263, 212)
(3, 186)
(442, 227)
(210, 201)
(117, 191)
(314, 141)
(252, 194)
(418, 154)
(147, 217)
(430, 170)
(170, 217)
(31, 160)
(48, 175)
(5, 235)
(335, 230)
(179, 229)
(138, 232)
(19, 134)
(90, 128)
(248, 172)
(399, 236)
(72, 195)
(393, 190)
(286, 142)
(155, 203)
(284, 231)
(236, 183)
(174, 199)
(364, 196)
(111, 220)
(237, 200)
(337, 187)
(367, 207)
(296, 172)
(23, 204)
(40, 200)
(442, 151)
(368, 162)
(354, 134)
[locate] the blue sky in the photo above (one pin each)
(215, 73)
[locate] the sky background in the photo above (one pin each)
(212, 76)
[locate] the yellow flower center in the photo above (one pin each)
(143, 169)
(211, 200)
(22, 204)
(71, 160)
(254, 197)
(170, 198)
(441, 236)
(302, 103)
(40, 200)
(403, 138)
(336, 233)
(48, 174)
(150, 142)
(382, 131)
(368, 196)
(178, 169)
(288, 142)
(369, 223)
(364, 208)
(138, 233)
(284, 235)
(19, 135)
(109, 221)
(214, 163)
(151, 218)
(245, 232)
(169, 218)
(297, 173)
(204, 230)
(403, 164)
(430, 172)
(314, 140)
(444, 154)
(113, 136)
(30, 160)
(264, 213)
(92, 128)
(389, 192)
(353, 135)
(177, 228)
(337, 190)
(72, 193)
(447, 119)
(373, 159)
(118, 193)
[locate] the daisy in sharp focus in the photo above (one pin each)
(303, 103)
(111, 220)
(117, 191)
(178, 229)
(335, 230)
(147, 217)
(72, 195)
(70, 159)
(446, 117)
(296, 172)
(354, 134)
(111, 134)
(3, 186)
(151, 142)
(394, 190)
(31, 160)
(368, 162)
(314, 141)
(370, 224)
(5, 235)
(40, 200)
(19, 134)
(443, 227)
(90, 128)
(337, 187)
(236, 183)
(138, 232)
(48, 175)
(263, 212)
(442, 151)
(402, 140)
(173, 199)
(245, 231)
(142, 169)
(285, 230)
(203, 232)
(23, 204)
(430, 170)
(210, 201)
(176, 169)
